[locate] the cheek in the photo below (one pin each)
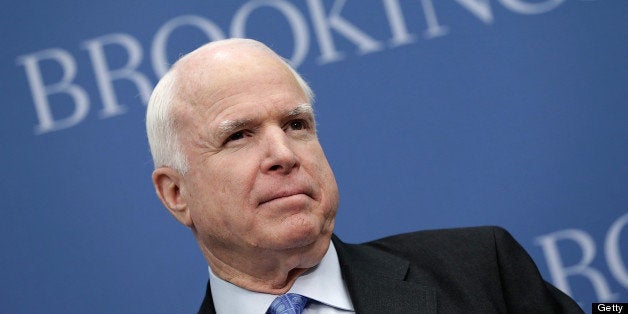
(223, 185)
(234, 180)
(324, 176)
(322, 167)
(228, 171)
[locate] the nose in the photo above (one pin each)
(279, 155)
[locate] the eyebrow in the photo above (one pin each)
(229, 126)
(299, 110)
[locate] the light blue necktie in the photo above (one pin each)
(289, 303)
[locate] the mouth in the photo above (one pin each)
(282, 195)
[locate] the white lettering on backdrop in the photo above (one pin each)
(327, 20)
(613, 250)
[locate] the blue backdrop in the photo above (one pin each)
(432, 114)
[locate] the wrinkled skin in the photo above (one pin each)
(259, 196)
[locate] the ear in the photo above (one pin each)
(167, 182)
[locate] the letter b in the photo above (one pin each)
(40, 91)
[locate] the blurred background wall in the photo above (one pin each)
(433, 114)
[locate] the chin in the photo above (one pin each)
(302, 235)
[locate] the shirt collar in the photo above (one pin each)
(322, 283)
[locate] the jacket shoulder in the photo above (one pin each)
(477, 263)
(468, 242)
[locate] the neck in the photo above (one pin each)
(267, 272)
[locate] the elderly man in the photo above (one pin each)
(237, 160)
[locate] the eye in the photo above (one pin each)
(235, 136)
(298, 124)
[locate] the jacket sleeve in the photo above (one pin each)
(524, 289)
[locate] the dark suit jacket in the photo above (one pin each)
(467, 270)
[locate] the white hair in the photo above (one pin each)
(162, 127)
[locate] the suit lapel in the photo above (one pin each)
(376, 282)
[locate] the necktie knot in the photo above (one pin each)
(289, 303)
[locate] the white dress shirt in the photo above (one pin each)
(323, 284)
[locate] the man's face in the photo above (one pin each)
(258, 180)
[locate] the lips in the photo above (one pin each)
(275, 195)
